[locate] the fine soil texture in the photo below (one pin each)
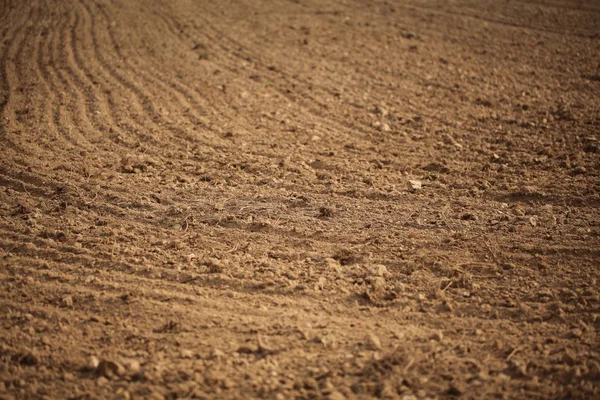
(299, 199)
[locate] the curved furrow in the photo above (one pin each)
(8, 180)
(51, 58)
(69, 255)
(49, 100)
(241, 51)
(178, 288)
(232, 58)
(198, 100)
(580, 6)
(124, 106)
(304, 101)
(159, 300)
(15, 40)
(85, 260)
(95, 110)
(96, 101)
(97, 104)
(500, 20)
(177, 31)
(39, 102)
(152, 75)
(189, 94)
(31, 109)
(43, 182)
(147, 109)
(80, 114)
(101, 107)
(74, 283)
(224, 108)
(121, 125)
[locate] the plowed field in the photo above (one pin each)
(302, 199)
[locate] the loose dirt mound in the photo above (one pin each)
(299, 199)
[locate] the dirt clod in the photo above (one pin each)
(109, 369)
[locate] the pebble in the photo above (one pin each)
(93, 362)
(132, 366)
(109, 369)
(414, 185)
(372, 341)
(187, 354)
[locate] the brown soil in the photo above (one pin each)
(299, 199)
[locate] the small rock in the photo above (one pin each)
(327, 386)
(409, 396)
(102, 381)
(372, 341)
(385, 128)
(93, 362)
(109, 369)
(414, 185)
(155, 395)
(381, 110)
(132, 366)
(187, 354)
